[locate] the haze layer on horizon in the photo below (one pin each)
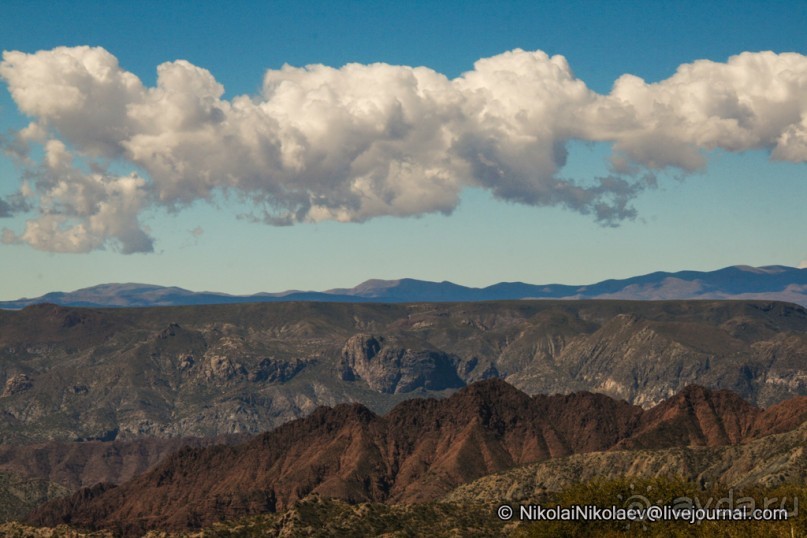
(312, 146)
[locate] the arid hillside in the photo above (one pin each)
(85, 374)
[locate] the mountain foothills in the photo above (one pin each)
(772, 283)
(82, 374)
(421, 450)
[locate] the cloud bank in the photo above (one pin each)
(362, 141)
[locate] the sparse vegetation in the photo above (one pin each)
(317, 517)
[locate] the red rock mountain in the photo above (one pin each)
(420, 450)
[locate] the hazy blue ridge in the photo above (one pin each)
(740, 282)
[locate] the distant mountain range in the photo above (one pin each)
(773, 282)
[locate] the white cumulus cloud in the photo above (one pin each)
(83, 211)
(362, 141)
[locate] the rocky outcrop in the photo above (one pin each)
(391, 369)
(16, 384)
(276, 371)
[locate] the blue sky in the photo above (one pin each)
(738, 206)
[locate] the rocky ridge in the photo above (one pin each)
(419, 451)
(766, 462)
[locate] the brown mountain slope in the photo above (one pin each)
(769, 462)
(782, 417)
(417, 452)
(695, 416)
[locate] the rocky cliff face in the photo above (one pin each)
(71, 373)
(390, 369)
(419, 451)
